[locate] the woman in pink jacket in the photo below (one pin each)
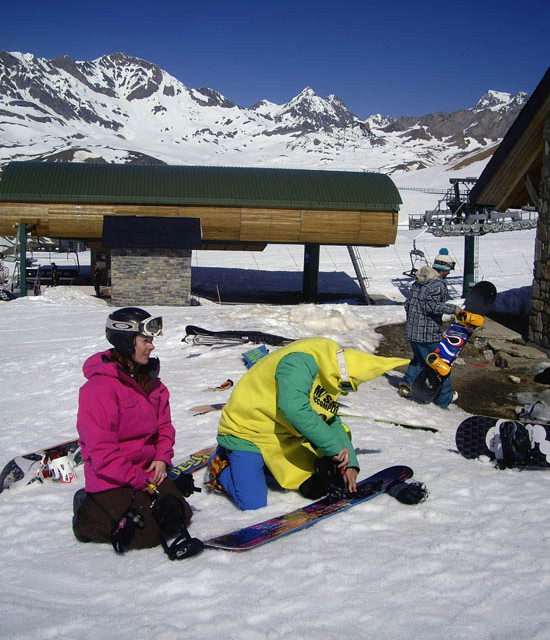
(127, 440)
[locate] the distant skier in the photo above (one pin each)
(280, 425)
(97, 280)
(425, 307)
(55, 274)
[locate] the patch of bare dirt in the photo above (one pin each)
(483, 388)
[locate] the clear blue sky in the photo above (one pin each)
(390, 57)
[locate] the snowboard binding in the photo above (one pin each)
(125, 528)
(175, 539)
(515, 444)
(328, 471)
(61, 469)
(58, 465)
(469, 319)
(438, 364)
(328, 479)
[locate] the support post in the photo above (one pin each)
(359, 271)
(311, 273)
(469, 264)
(22, 233)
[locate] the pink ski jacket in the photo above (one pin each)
(122, 430)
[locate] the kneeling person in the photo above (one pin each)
(281, 419)
(127, 442)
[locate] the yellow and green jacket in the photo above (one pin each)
(286, 407)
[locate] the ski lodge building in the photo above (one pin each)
(518, 175)
(149, 219)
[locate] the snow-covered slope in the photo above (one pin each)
(468, 563)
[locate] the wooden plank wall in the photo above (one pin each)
(230, 224)
(506, 188)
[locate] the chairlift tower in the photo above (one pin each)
(455, 215)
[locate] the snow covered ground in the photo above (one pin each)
(471, 562)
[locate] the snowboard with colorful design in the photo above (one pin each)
(258, 534)
(194, 462)
(510, 443)
(32, 467)
(427, 384)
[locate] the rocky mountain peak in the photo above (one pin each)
(212, 98)
(500, 101)
(119, 108)
(313, 112)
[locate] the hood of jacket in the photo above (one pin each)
(426, 274)
(102, 364)
(365, 366)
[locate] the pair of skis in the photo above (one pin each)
(198, 335)
(201, 409)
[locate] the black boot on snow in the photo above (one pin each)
(175, 539)
(78, 500)
(125, 528)
(408, 492)
(314, 487)
(327, 479)
(328, 470)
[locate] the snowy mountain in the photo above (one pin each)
(118, 108)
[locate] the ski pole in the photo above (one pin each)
(403, 425)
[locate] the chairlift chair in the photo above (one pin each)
(418, 260)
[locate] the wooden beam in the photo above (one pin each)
(532, 191)
(222, 224)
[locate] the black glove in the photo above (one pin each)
(125, 528)
(186, 484)
(408, 492)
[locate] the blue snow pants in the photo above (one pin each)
(246, 479)
(420, 352)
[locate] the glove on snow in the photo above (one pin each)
(409, 492)
(186, 484)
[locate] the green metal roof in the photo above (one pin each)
(86, 183)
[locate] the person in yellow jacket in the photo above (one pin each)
(282, 417)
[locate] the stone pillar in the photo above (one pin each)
(539, 319)
(311, 273)
(150, 276)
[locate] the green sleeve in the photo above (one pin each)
(295, 375)
(344, 438)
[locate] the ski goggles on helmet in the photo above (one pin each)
(150, 327)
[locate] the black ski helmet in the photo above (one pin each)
(124, 324)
